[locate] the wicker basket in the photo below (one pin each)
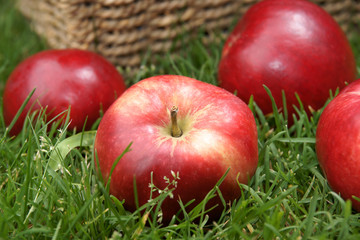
(121, 30)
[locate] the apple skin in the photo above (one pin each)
(290, 45)
(219, 132)
(338, 143)
(80, 78)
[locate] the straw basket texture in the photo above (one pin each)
(121, 30)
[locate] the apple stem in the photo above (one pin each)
(175, 130)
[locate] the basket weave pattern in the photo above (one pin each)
(122, 29)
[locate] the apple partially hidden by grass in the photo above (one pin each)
(288, 45)
(338, 143)
(68, 77)
(177, 125)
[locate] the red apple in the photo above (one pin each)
(290, 45)
(338, 143)
(81, 79)
(208, 131)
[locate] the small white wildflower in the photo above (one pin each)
(61, 132)
(160, 216)
(37, 155)
(173, 174)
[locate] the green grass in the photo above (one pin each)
(288, 198)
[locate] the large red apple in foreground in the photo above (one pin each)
(290, 45)
(338, 143)
(81, 79)
(180, 125)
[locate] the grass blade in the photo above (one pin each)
(19, 112)
(84, 139)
